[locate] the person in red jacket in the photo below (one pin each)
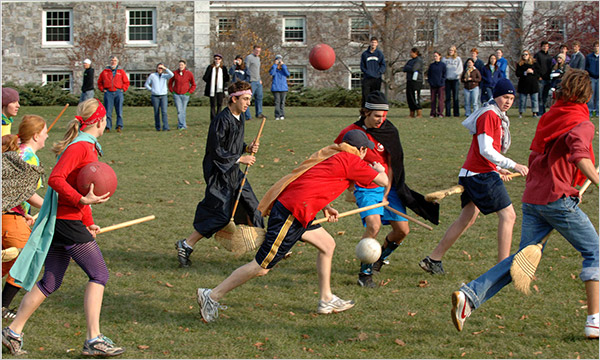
(113, 82)
(182, 84)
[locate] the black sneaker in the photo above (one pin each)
(377, 265)
(432, 267)
(183, 254)
(102, 346)
(365, 280)
(8, 313)
(12, 343)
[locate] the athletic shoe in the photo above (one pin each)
(377, 265)
(261, 116)
(101, 346)
(591, 330)
(209, 309)
(118, 129)
(183, 254)
(282, 118)
(8, 313)
(366, 280)
(461, 309)
(12, 343)
(335, 305)
(432, 267)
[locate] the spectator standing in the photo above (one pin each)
(558, 70)
(528, 72)
(502, 63)
(414, 82)
(216, 79)
(471, 78)
(239, 72)
(591, 66)
(490, 75)
(157, 84)
(372, 65)
(279, 86)
(113, 82)
(87, 87)
(454, 68)
(544, 61)
(10, 108)
(478, 65)
(436, 76)
(253, 64)
(577, 60)
(182, 85)
(563, 49)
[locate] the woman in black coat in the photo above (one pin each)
(528, 72)
(414, 82)
(216, 78)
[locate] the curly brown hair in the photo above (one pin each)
(575, 87)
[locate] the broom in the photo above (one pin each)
(58, 117)
(456, 189)
(527, 259)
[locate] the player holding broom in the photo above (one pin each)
(292, 204)
(561, 157)
(225, 150)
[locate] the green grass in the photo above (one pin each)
(150, 302)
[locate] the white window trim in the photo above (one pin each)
(352, 42)
(218, 28)
(293, 43)
(353, 69)
(435, 33)
(57, 43)
(563, 28)
(491, 43)
(142, 72)
(69, 73)
(154, 25)
(299, 68)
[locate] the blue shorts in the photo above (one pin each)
(365, 197)
(486, 191)
(283, 231)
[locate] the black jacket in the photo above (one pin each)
(207, 77)
(88, 80)
(528, 83)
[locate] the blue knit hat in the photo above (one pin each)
(503, 87)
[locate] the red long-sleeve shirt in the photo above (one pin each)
(63, 180)
(106, 80)
(182, 83)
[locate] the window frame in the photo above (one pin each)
(497, 42)
(421, 29)
(142, 73)
(45, 42)
(292, 81)
(353, 71)
(284, 27)
(129, 26)
(554, 34)
(69, 74)
(351, 28)
(223, 36)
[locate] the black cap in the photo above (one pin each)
(358, 139)
(376, 100)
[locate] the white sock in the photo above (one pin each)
(593, 319)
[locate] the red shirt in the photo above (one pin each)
(63, 180)
(106, 81)
(490, 124)
(551, 174)
(323, 183)
(379, 153)
(182, 82)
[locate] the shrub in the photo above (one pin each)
(331, 97)
(31, 94)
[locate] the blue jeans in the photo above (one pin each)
(181, 102)
(257, 91)
(86, 95)
(471, 99)
(593, 104)
(159, 103)
(486, 94)
(452, 97)
(543, 95)
(114, 99)
(523, 103)
(538, 220)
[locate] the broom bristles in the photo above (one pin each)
(524, 266)
(244, 238)
(439, 195)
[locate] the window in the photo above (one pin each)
(297, 77)
(355, 78)
(225, 28)
(138, 79)
(141, 26)
(294, 31)
(58, 27)
(359, 30)
(61, 78)
(555, 29)
(425, 31)
(490, 29)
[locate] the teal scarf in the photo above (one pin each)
(28, 265)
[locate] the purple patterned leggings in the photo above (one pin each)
(87, 255)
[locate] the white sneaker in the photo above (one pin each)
(282, 118)
(209, 309)
(335, 305)
(461, 309)
(591, 330)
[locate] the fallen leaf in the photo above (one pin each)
(170, 201)
(537, 353)
(423, 283)
(168, 285)
(292, 313)
(258, 344)
(42, 348)
(341, 232)
(305, 336)
(187, 182)
(143, 347)
(67, 325)
(412, 313)
(499, 316)
(276, 160)
(362, 336)
(118, 274)
(535, 287)
(524, 317)
(400, 342)
(479, 332)
(463, 354)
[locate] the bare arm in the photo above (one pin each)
(587, 168)
(36, 200)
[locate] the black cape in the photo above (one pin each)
(389, 137)
(224, 146)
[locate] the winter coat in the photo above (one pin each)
(528, 83)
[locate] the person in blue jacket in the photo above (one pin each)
(239, 72)
(436, 76)
(372, 65)
(591, 66)
(490, 74)
(279, 87)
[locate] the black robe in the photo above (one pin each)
(389, 137)
(224, 146)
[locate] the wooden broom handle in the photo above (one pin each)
(58, 117)
(409, 218)
(126, 224)
(586, 184)
(352, 212)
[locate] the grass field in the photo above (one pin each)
(150, 307)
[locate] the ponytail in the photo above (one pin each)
(70, 135)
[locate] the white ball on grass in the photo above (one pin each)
(368, 250)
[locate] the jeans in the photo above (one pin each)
(593, 104)
(181, 102)
(159, 103)
(538, 220)
(413, 95)
(471, 99)
(279, 97)
(114, 99)
(543, 96)
(452, 97)
(257, 91)
(86, 95)
(486, 94)
(523, 103)
(437, 101)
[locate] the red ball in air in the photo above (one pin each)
(101, 175)
(322, 57)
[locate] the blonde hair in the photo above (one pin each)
(455, 55)
(85, 110)
(29, 127)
